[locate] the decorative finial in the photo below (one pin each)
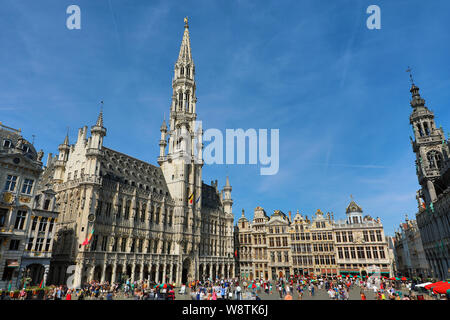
(351, 196)
(34, 136)
(186, 22)
(409, 70)
(101, 106)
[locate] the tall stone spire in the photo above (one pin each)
(66, 140)
(100, 119)
(185, 55)
(99, 122)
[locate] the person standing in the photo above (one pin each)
(238, 292)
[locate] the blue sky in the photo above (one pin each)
(338, 92)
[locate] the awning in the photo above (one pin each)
(12, 263)
(423, 284)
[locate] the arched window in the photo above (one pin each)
(180, 100)
(182, 71)
(127, 209)
(434, 159)
(427, 130)
(144, 208)
(419, 128)
(186, 95)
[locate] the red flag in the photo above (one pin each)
(42, 282)
(235, 253)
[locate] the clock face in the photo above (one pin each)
(16, 160)
(91, 218)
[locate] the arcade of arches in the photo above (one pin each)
(154, 272)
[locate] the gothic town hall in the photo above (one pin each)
(121, 217)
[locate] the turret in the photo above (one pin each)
(227, 201)
(162, 142)
(97, 133)
(63, 156)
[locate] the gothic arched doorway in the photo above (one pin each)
(185, 273)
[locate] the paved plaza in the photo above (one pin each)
(319, 294)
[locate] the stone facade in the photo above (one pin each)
(39, 245)
(433, 173)
(280, 246)
(158, 223)
(411, 258)
(20, 168)
(361, 245)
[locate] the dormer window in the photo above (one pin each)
(26, 149)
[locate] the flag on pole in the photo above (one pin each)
(197, 199)
(235, 253)
(88, 239)
(191, 198)
(42, 282)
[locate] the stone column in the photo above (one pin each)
(141, 273)
(102, 279)
(46, 270)
(133, 269)
(170, 273)
(157, 273)
(210, 271)
(178, 274)
(164, 273)
(113, 274)
(91, 272)
(78, 275)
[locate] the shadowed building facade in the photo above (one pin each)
(20, 168)
(433, 173)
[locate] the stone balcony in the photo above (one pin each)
(85, 179)
(94, 152)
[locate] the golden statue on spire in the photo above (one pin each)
(186, 22)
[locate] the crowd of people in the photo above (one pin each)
(296, 287)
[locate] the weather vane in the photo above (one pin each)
(186, 22)
(409, 70)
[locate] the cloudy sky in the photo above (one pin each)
(337, 91)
